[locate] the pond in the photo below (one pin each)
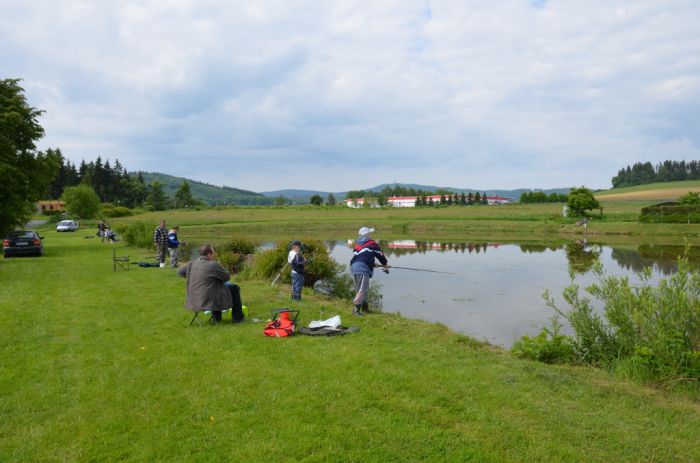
(493, 291)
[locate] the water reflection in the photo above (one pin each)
(581, 256)
(495, 292)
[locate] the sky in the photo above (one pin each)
(340, 95)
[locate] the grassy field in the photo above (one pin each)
(655, 192)
(102, 366)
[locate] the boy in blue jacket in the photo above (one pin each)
(173, 246)
(362, 267)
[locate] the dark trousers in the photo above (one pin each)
(237, 305)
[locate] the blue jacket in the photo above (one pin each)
(172, 239)
(363, 255)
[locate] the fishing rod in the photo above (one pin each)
(414, 269)
(279, 275)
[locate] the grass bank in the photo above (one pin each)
(516, 222)
(101, 366)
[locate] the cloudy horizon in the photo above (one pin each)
(336, 96)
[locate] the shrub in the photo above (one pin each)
(670, 213)
(139, 234)
(238, 245)
(234, 252)
(643, 331)
(118, 211)
(692, 197)
(550, 346)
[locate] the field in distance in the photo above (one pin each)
(667, 191)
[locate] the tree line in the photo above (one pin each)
(530, 197)
(115, 185)
(642, 173)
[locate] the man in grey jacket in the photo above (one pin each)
(208, 286)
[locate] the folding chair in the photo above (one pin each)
(121, 261)
(206, 312)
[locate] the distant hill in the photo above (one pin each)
(664, 191)
(209, 194)
(303, 196)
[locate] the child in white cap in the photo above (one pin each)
(362, 267)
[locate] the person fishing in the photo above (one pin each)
(362, 267)
(298, 262)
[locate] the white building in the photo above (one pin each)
(410, 201)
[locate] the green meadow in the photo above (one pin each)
(99, 365)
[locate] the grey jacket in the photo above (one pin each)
(205, 285)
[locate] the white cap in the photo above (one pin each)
(365, 231)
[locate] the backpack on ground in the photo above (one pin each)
(283, 323)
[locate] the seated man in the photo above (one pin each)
(208, 286)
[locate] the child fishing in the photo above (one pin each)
(298, 263)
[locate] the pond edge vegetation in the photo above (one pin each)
(647, 333)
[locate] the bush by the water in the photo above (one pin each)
(647, 332)
(139, 234)
(671, 213)
(236, 252)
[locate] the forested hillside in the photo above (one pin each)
(210, 194)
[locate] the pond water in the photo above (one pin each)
(493, 291)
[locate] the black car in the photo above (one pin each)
(23, 243)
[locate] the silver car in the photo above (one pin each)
(67, 226)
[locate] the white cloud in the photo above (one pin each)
(343, 95)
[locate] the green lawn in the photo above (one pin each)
(102, 366)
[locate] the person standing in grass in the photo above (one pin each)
(160, 238)
(174, 246)
(362, 267)
(209, 288)
(298, 263)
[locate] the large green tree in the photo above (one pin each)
(580, 201)
(81, 201)
(25, 174)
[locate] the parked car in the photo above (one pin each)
(67, 226)
(22, 243)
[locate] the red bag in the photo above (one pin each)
(282, 324)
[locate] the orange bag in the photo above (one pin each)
(282, 324)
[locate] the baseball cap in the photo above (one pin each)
(365, 231)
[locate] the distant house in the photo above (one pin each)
(51, 206)
(410, 201)
(495, 199)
